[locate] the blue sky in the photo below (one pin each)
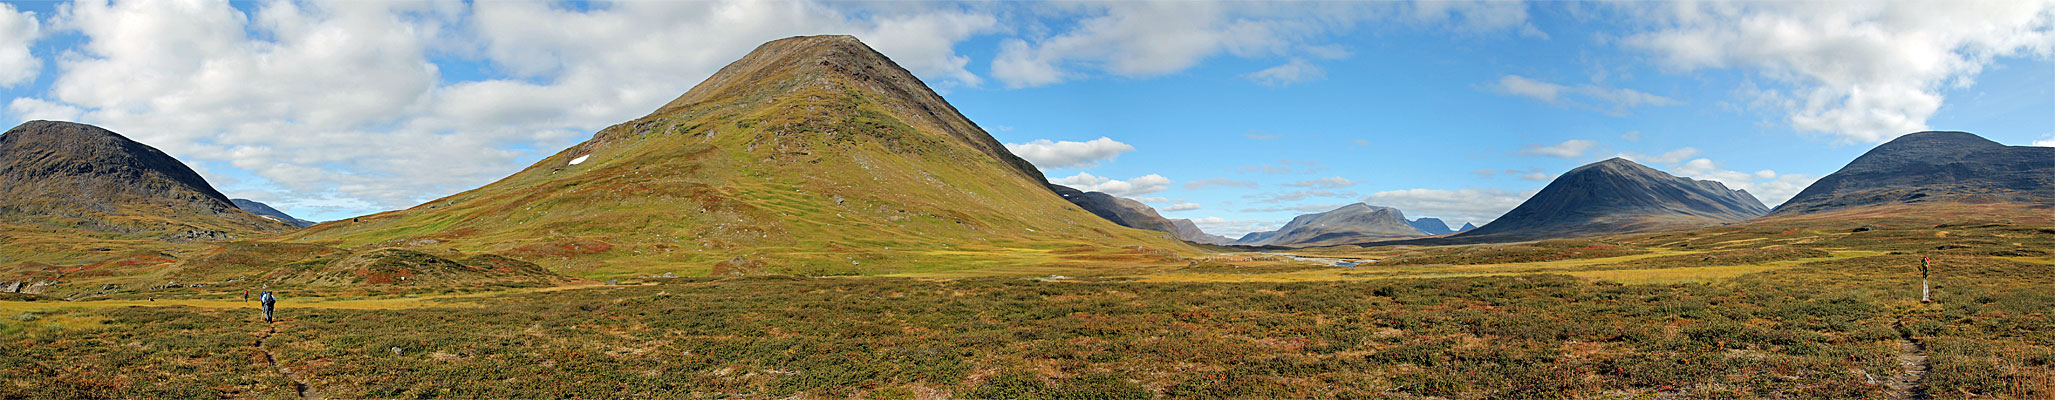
(1238, 114)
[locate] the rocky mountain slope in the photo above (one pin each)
(265, 210)
(1189, 231)
(1134, 214)
(1354, 223)
(1933, 167)
(1617, 196)
(809, 155)
(72, 192)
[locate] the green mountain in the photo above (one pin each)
(810, 155)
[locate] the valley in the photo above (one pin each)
(814, 221)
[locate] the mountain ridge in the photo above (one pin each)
(1346, 224)
(1933, 166)
(1617, 196)
(811, 155)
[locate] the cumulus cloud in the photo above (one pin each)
(1182, 207)
(2048, 141)
(1334, 182)
(1219, 182)
(1066, 154)
(1150, 38)
(1475, 205)
(1857, 71)
(18, 30)
(1611, 101)
(1291, 73)
(29, 109)
(1766, 185)
(1567, 149)
(339, 103)
(1137, 186)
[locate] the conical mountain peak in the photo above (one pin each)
(1617, 196)
(837, 71)
(808, 155)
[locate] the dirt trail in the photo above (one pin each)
(299, 385)
(1910, 383)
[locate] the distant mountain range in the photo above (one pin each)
(1432, 226)
(1354, 223)
(1617, 196)
(1135, 214)
(265, 210)
(1933, 167)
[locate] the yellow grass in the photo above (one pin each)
(233, 302)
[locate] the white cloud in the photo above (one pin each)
(1219, 182)
(1537, 176)
(1234, 228)
(18, 30)
(1066, 154)
(1610, 101)
(1136, 39)
(1668, 157)
(1477, 205)
(2047, 141)
(1182, 207)
(1631, 136)
(29, 109)
(1859, 71)
(1567, 149)
(1140, 39)
(1140, 185)
(1766, 185)
(1521, 86)
(1334, 182)
(339, 103)
(1291, 73)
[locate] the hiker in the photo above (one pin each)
(1925, 291)
(268, 301)
(246, 294)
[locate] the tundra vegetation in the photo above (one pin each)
(1793, 307)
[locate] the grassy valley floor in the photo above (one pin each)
(1792, 309)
